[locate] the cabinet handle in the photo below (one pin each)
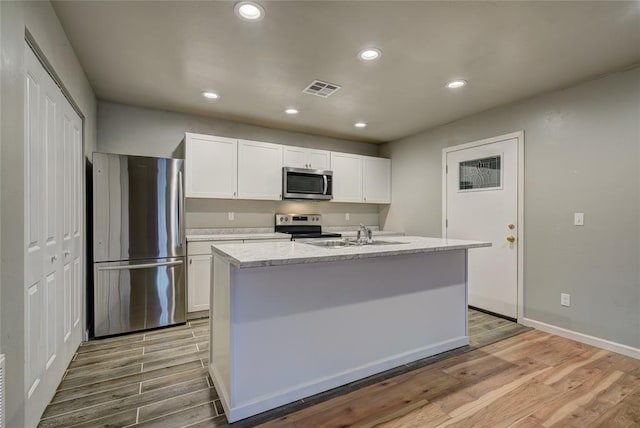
(53, 259)
(234, 193)
(190, 261)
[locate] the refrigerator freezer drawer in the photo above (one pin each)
(131, 296)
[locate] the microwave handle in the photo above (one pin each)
(326, 184)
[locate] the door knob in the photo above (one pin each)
(511, 226)
(511, 238)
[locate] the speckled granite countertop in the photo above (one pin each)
(287, 253)
(228, 234)
(257, 233)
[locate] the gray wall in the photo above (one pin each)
(40, 20)
(582, 154)
(147, 132)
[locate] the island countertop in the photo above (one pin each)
(295, 252)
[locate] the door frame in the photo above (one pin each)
(519, 136)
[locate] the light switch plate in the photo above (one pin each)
(231, 216)
(347, 216)
(578, 219)
(565, 299)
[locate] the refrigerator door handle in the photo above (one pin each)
(180, 208)
(140, 266)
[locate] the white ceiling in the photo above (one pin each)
(164, 54)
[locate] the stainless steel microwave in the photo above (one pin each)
(302, 183)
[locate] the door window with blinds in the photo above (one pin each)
(480, 174)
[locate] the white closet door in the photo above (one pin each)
(53, 265)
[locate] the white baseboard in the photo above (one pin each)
(583, 338)
(315, 386)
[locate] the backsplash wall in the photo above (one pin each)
(211, 213)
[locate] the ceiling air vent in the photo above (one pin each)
(321, 89)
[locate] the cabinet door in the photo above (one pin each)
(347, 177)
(210, 166)
(376, 181)
(259, 170)
(198, 282)
(295, 157)
(319, 159)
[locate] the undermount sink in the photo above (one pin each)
(341, 243)
(333, 243)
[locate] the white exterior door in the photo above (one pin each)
(53, 235)
(481, 204)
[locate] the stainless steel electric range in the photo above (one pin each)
(302, 226)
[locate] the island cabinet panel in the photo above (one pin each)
(210, 166)
(283, 333)
(259, 170)
(376, 180)
(347, 177)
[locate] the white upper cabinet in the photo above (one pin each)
(211, 166)
(347, 177)
(319, 159)
(226, 168)
(376, 180)
(259, 170)
(299, 157)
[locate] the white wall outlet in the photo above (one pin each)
(578, 219)
(565, 299)
(347, 216)
(232, 216)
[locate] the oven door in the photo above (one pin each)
(300, 183)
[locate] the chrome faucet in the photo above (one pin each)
(365, 235)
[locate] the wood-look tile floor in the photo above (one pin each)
(532, 379)
(153, 379)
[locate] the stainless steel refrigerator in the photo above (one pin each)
(139, 245)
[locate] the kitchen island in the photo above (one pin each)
(290, 319)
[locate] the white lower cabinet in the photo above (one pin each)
(199, 270)
(199, 277)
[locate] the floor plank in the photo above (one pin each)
(508, 376)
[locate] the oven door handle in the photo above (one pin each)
(326, 184)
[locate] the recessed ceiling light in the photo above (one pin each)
(249, 11)
(360, 124)
(291, 111)
(370, 54)
(210, 95)
(454, 84)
